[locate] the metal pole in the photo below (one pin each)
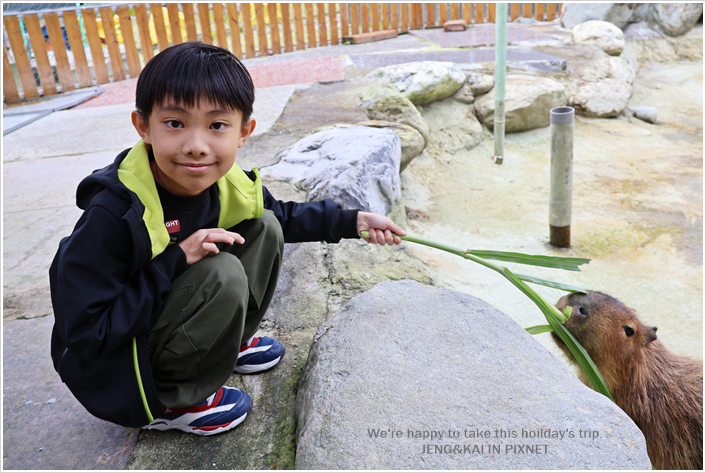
(561, 120)
(500, 57)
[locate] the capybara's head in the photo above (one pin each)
(610, 331)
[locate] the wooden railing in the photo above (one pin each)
(47, 52)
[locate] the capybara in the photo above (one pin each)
(661, 391)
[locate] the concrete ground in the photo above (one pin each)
(43, 426)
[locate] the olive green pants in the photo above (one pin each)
(212, 308)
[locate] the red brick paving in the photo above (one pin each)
(326, 69)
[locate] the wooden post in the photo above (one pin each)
(344, 18)
(219, 20)
(287, 28)
(9, 88)
(355, 24)
(73, 31)
(375, 16)
(143, 26)
(160, 29)
(321, 22)
(261, 30)
(299, 26)
(133, 59)
(247, 30)
(274, 28)
(539, 11)
(526, 10)
(174, 23)
(99, 68)
(364, 20)
(44, 69)
(205, 21)
(190, 21)
(111, 41)
(310, 26)
(56, 38)
(333, 23)
(234, 26)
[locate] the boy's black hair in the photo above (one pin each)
(189, 72)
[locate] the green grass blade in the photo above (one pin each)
(553, 316)
(537, 329)
(552, 284)
(557, 262)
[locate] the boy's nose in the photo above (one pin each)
(195, 145)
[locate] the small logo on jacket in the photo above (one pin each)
(172, 226)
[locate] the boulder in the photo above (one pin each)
(387, 104)
(357, 167)
(603, 34)
(619, 14)
(619, 68)
(675, 19)
(605, 98)
(480, 83)
(422, 82)
(464, 94)
(453, 126)
(411, 141)
(528, 100)
(414, 377)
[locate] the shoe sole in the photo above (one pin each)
(249, 369)
(165, 424)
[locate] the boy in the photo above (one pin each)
(161, 286)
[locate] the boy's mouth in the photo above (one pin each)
(196, 168)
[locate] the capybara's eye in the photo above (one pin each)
(628, 331)
(583, 312)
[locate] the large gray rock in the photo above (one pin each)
(357, 167)
(404, 360)
(411, 141)
(453, 126)
(675, 19)
(422, 82)
(620, 14)
(528, 100)
(596, 84)
(603, 34)
(388, 104)
(603, 99)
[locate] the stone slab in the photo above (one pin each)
(480, 35)
(515, 56)
(44, 427)
(73, 132)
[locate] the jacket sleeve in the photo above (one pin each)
(101, 297)
(312, 221)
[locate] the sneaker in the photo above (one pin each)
(222, 411)
(259, 354)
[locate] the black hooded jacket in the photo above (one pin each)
(111, 276)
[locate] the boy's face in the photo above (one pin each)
(193, 147)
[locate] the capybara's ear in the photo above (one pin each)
(650, 334)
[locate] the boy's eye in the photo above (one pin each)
(219, 126)
(173, 124)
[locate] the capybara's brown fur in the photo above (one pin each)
(661, 391)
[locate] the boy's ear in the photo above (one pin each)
(141, 126)
(246, 131)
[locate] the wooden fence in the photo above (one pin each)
(47, 52)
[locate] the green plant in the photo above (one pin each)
(555, 318)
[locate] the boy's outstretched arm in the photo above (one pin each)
(380, 227)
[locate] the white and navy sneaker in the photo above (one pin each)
(222, 411)
(259, 354)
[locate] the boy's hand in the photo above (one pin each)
(202, 242)
(380, 227)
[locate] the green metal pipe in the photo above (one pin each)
(500, 57)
